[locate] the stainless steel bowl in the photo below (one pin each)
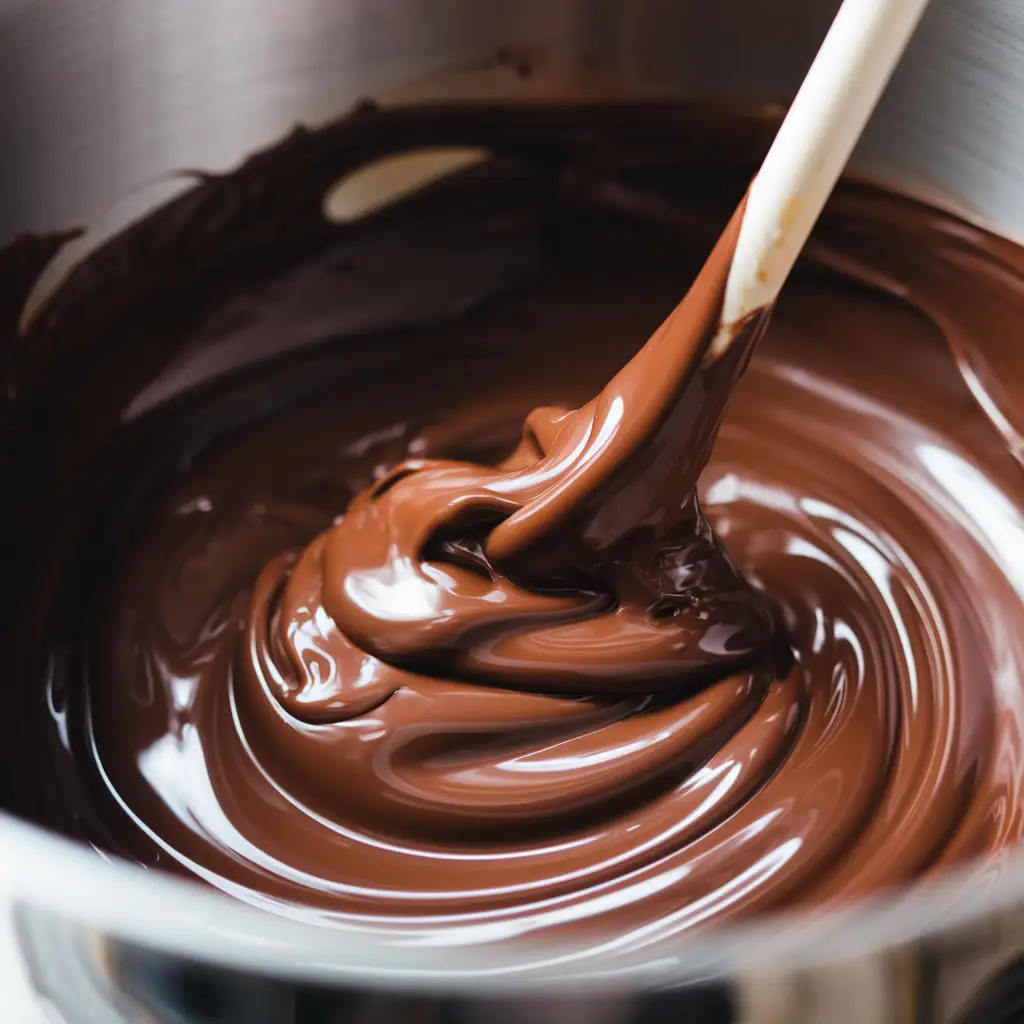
(99, 101)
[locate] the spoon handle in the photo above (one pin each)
(828, 115)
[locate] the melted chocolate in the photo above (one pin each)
(338, 633)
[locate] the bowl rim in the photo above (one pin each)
(109, 899)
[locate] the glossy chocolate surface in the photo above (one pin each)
(304, 609)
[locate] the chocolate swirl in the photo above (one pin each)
(387, 655)
(582, 564)
(408, 612)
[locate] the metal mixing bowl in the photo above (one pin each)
(99, 100)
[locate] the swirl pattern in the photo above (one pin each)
(504, 693)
